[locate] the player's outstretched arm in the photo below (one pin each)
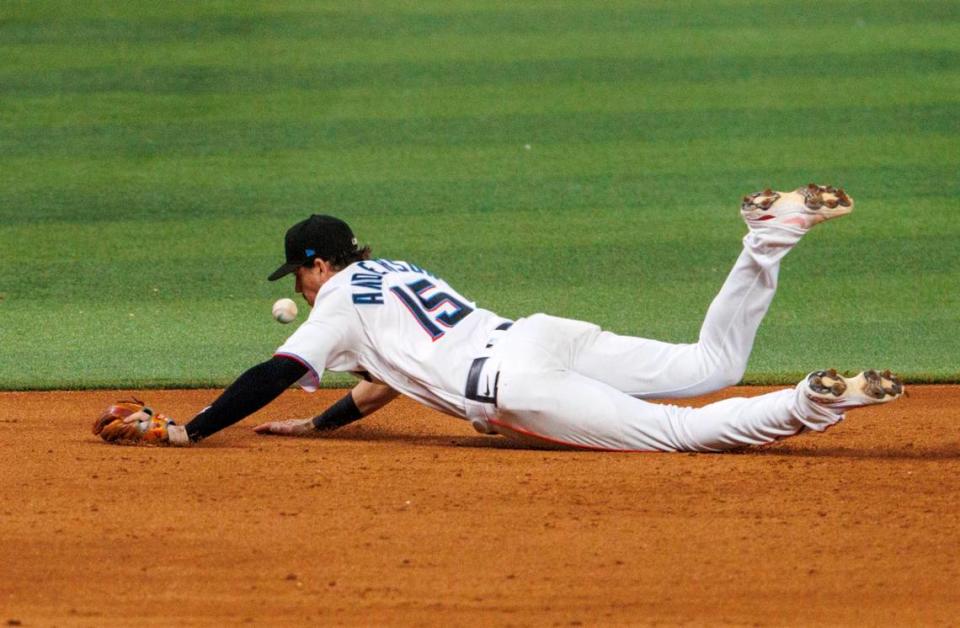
(132, 422)
(365, 399)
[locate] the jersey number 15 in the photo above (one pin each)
(424, 308)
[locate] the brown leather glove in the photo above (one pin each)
(131, 422)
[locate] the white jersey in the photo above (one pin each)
(399, 323)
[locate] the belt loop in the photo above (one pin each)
(494, 336)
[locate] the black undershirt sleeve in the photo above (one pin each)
(251, 391)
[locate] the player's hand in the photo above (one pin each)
(290, 427)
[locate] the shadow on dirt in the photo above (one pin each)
(431, 440)
(905, 452)
(947, 451)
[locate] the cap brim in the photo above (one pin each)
(283, 271)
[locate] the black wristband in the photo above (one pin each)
(339, 414)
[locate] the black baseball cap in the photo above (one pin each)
(320, 236)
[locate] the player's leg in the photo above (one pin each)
(565, 408)
(652, 369)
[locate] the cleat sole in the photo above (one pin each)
(803, 207)
(870, 387)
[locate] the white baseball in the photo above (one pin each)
(284, 310)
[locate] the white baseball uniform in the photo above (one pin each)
(549, 380)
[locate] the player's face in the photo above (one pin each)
(308, 283)
(311, 278)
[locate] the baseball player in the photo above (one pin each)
(541, 379)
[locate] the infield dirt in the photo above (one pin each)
(412, 518)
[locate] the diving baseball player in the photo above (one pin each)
(540, 379)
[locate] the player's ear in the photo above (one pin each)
(325, 267)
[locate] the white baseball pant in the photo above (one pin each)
(567, 382)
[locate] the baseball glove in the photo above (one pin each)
(131, 421)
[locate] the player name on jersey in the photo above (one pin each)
(368, 285)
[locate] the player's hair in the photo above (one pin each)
(341, 261)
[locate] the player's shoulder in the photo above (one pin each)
(334, 293)
(385, 266)
(335, 284)
(369, 282)
(384, 270)
(402, 269)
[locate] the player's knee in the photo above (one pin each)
(724, 373)
(722, 364)
(729, 374)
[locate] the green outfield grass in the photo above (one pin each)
(585, 160)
